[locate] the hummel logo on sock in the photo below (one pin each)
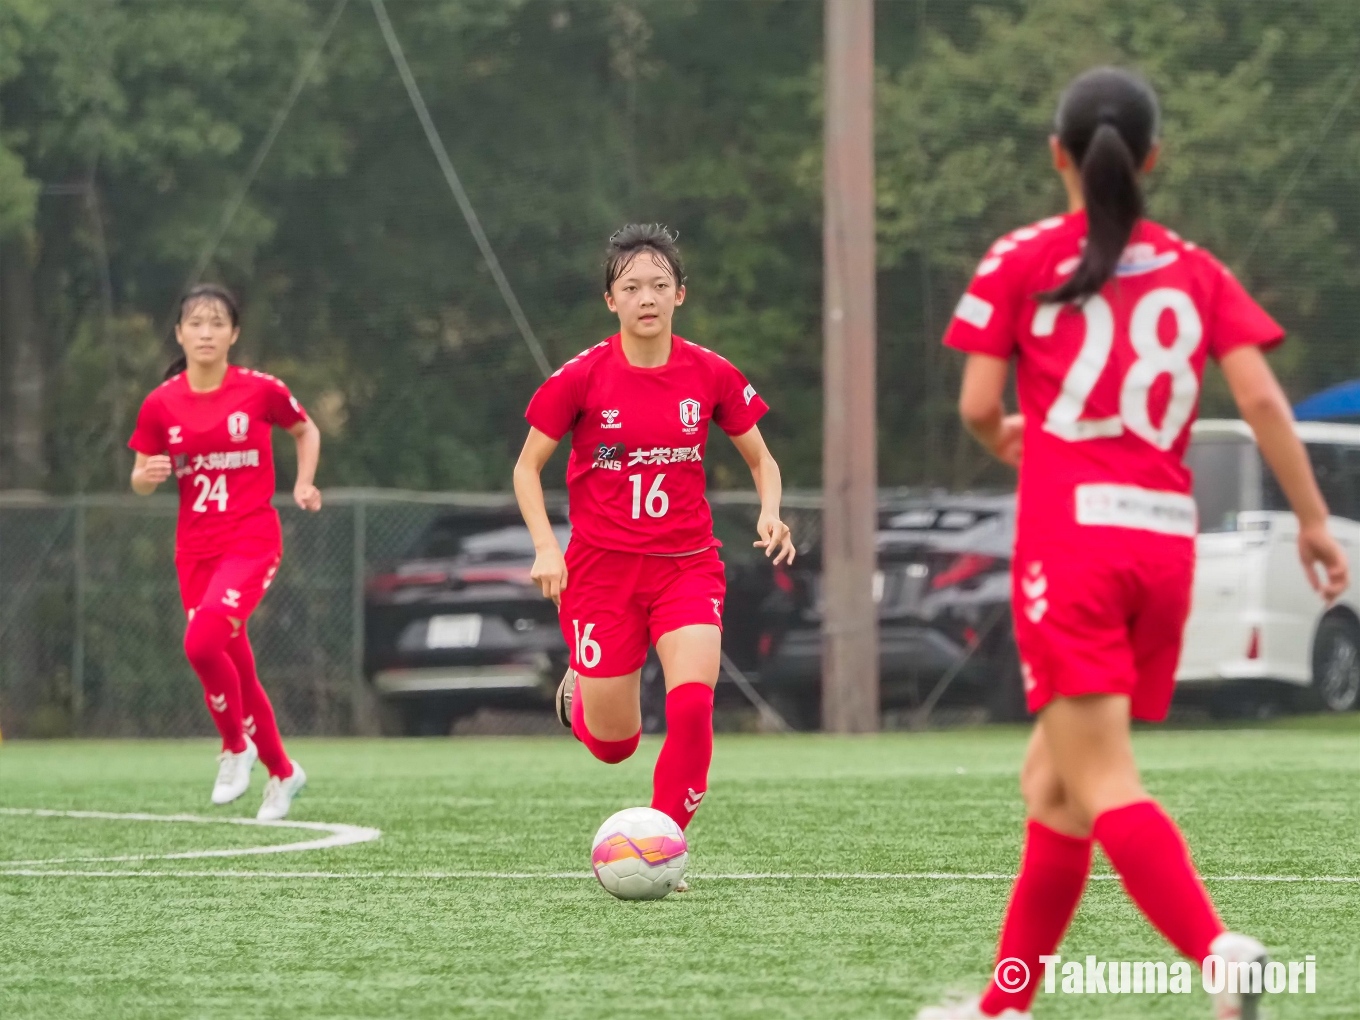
(692, 801)
(248, 724)
(218, 702)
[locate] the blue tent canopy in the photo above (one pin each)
(1340, 401)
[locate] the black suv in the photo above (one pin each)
(943, 594)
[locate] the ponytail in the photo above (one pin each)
(1107, 122)
(1114, 203)
(177, 366)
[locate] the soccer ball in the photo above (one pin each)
(639, 854)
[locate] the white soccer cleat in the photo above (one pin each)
(279, 794)
(968, 1010)
(233, 774)
(566, 690)
(1235, 948)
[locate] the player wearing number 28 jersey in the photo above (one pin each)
(1110, 320)
(1108, 389)
(642, 566)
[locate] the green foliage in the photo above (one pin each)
(364, 289)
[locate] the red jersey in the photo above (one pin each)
(1108, 388)
(635, 480)
(219, 445)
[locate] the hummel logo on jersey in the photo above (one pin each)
(232, 599)
(692, 801)
(609, 419)
(238, 424)
(1034, 586)
(218, 702)
(248, 724)
(175, 436)
(689, 413)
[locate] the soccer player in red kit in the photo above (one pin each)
(209, 426)
(1110, 319)
(642, 564)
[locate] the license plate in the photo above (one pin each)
(463, 631)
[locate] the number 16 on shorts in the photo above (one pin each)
(587, 651)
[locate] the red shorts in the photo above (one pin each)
(617, 604)
(1106, 621)
(229, 584)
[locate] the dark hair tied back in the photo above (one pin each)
(640, 237)
(197, 294)
(1107, 121)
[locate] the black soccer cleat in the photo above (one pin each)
(565, 690)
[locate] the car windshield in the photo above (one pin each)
(1230, 479)
(448, 540)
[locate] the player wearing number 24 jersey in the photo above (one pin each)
(209, 425)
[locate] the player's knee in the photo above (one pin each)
(206, 636)
(611, 752)
(689, 704)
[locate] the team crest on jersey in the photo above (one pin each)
(611, 419)
(238, 424)
(175, 431)
(689, 413)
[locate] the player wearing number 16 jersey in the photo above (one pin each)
(209, 426)
(642, 565)
(1110, 319)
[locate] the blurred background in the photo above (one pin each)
(271, 145)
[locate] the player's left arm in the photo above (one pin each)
(774, 533)
(308, 439)
(983, 410)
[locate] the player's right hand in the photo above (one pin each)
(1006, 446)
(550, 574)
(156, 469)
(1317, 548)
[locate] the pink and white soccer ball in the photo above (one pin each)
(639, 854)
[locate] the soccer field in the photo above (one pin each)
(474, 901)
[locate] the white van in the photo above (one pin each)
(1254, 617)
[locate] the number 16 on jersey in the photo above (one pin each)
(587, 650)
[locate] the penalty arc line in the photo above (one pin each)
(338, 834)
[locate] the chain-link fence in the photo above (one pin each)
(91, 625)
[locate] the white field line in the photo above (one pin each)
(342, 834)
(438, 876)
(338, 834)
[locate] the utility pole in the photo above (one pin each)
(850, 701)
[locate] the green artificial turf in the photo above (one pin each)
(1268, 800)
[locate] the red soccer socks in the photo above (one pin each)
(681, 777)
(205, 643)
(611, 752)
(1053, 871)
(1147, 850)
(257, 714)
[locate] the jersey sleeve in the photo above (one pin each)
(556, 405)
(738, 406)
(985, 317)
(149, 435)
(281, 407)
(1236, 320)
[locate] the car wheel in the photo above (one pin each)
(1336, 665)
